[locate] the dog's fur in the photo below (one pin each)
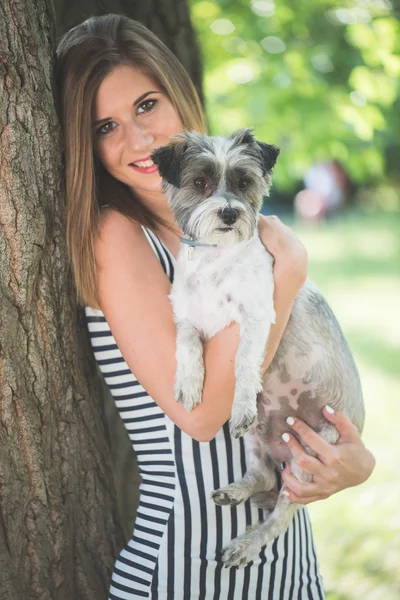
(215, 187)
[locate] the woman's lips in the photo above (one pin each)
(151, 169)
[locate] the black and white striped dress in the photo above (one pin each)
(174, 553)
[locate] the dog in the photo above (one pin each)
(215, 187)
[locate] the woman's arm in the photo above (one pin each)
(290, 273)
(133, 292)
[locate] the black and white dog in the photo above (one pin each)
(215, 187)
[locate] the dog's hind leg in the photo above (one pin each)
(243, 548)
(246, 547)
(260, 477)
(254, 482)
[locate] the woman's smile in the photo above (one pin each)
(144, 165)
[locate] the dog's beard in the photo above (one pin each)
(206, 225)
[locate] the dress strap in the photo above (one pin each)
(165, 257)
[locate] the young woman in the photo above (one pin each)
(122, 94)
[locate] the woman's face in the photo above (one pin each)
(132, 117)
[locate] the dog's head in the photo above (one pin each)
(215, 185)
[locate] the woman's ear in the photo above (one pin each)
(169, 160)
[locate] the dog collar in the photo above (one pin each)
(192, 244)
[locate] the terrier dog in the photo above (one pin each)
(215, 187)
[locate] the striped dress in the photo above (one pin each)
(175, 549)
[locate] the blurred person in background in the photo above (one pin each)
(326, 187)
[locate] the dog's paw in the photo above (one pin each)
(188, 386)
(231, 495)
(238, 553)
(241, 420)
(239, 429)
(189, 397)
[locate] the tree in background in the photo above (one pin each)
(60, 528)
(319, 79)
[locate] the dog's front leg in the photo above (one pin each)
(189, 377)
(249, 357)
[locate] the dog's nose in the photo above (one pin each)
(229, 215)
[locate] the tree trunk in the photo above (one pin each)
(59, 526)
(168, 19)
(62, 444)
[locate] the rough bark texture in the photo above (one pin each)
(168, 19)
(59, 526)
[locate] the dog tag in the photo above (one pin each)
(190, 252)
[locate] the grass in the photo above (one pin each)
(355, 261)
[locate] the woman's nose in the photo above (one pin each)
(138, 137)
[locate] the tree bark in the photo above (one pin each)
(168, 19)
(59, 525)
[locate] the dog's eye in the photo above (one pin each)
(243, 183)
(200, 183)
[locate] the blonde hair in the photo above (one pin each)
(85, 56)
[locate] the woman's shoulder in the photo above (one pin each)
(113, 222)
(117, 238)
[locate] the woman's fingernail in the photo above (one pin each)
(285, 493)
(290, 421)
(285, 437)
(329, 409)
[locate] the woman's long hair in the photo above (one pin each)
(85, 56)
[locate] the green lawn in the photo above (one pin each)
(356, 263)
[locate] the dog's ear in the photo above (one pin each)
(269, 155)
(169, 161)
(268, 152)
(243, 136)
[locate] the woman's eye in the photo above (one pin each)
(243, 183)
(106, 128)
(147, 106)
(200, 183)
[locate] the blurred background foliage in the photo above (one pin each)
(320, 79)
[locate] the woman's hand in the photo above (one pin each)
(336, 467)
(290, 256)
